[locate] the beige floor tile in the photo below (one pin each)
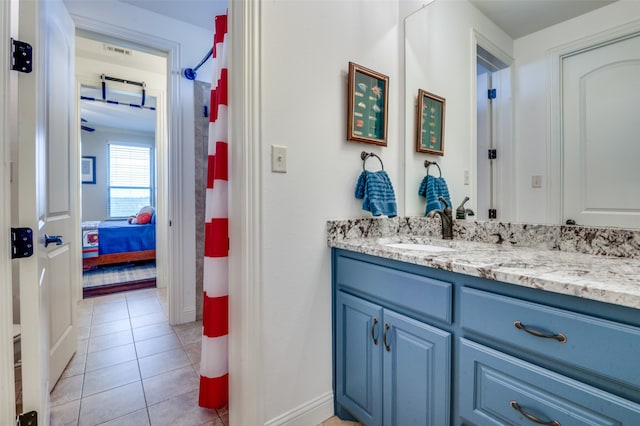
(169, 385)
(109, 357)
(189, 333)
(83, 332)
(157, 344)
(110, 327)
(162, 362)
(144, 307)
(76, 366)
(65, 414)
(151, 331)
(194, 352)
(109, 315)
(66, 390)
(183, 410)
(82, 346)
(112, 404)
(107, 341)
(336, 421)
(148, 319)
(139, 418)
(110, 377)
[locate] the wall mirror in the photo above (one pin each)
(458, 50)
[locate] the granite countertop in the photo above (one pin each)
(544, 265)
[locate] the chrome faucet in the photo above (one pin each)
(446, 217)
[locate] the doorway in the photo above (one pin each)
(494, 127)
(122, 91)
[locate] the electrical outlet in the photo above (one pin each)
(278, 159)
(536, 181)
(466, 177)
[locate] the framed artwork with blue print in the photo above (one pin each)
(430, 134)
(88, 169)
(368, 99)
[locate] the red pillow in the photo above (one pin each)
(142, 217)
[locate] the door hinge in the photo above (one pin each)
(493, 154)
(492, 93)
(21, 242)
(21, 56)
(28, 419)
(493, 213)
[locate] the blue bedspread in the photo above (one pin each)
(119, 236)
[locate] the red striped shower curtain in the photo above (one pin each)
(214, 373)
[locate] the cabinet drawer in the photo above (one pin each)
(422, 297)
(498, 389)
(600, 347)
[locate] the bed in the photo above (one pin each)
(116, 241)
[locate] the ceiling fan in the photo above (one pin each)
(86, 128)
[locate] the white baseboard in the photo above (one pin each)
(313, 412)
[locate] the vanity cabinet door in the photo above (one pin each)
(359, 358)
(417, 371)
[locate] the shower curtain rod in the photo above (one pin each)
(190, 73)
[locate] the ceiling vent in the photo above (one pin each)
(118, 50)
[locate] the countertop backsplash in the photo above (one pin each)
(617, 242)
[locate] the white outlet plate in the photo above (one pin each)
(278, 159)
(466, 177)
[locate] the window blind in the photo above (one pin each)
(130, 176)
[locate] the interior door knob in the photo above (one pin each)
(50, 239)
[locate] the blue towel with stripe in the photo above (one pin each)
(433, 187)
(376, 192)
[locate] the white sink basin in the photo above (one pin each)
(419, 247)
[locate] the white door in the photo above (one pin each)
(7, 106)
(601, 94)
(47, 174)
(483, 179)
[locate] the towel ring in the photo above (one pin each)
(365, 155)
(428, 163)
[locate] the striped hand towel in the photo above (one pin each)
(433, 187)
(376, 191)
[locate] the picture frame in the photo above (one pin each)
(430, 123)
(368, 100)
(88, 169)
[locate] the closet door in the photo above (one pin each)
(601, 92)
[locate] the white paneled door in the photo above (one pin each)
(601, 94)
(47, 200)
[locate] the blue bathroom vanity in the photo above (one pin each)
(483, 334)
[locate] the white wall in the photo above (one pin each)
(532, 101)
(440, 58)
(95, 144)
(306, 50)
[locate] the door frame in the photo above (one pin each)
(7, 379)
(555, 147)
(169, 258)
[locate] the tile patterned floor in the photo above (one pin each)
(131, 367)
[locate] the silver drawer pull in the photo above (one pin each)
(373, 331)
(518, 408)
(559, 336)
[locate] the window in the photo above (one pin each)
(130, 177)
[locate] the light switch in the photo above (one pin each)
(536, 181)
(278, 159)
(466, 177)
